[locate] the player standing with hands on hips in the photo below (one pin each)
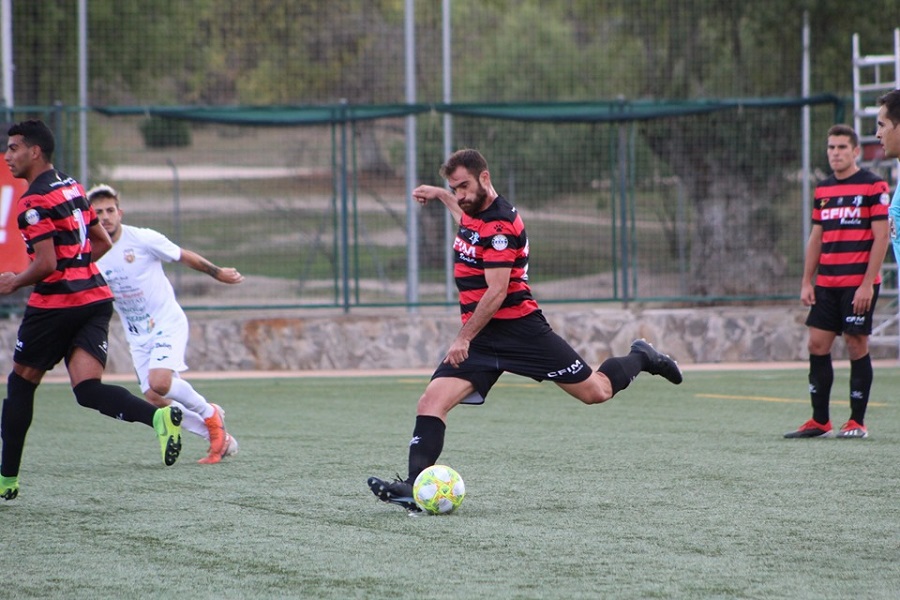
(68, 312)
(846, 247)
(155, 324)
(503, 328)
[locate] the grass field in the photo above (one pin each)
(664, 492)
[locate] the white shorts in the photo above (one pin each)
(165, 350)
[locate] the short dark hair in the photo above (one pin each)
(841, 129)
(35, 133)
(472, 160)
(892, 101)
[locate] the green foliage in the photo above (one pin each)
(204, 51)
(534, 38)
(208, 52)
(520, 156)
(160, 132)
(131, 57)
(45, 64)
(140, 51)
(275, 52)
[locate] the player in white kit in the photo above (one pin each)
(155, 324)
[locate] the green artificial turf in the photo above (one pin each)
(663, 492)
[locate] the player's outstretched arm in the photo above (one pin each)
(198, 263)
(424, 193)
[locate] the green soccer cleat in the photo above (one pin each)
(9, 487)
(167, 423)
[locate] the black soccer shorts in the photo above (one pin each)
(833, 311)
(527, 346)
(48, 335)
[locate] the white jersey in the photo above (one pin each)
(144, 298)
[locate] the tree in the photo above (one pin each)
(707, 48)
(131, 57)
(45, 64)
(733, 166)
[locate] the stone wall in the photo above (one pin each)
(315, 340)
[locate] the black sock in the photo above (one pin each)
(821, 376)
(426, 444)
(860, 385)
(18, 410)
(621, 370)
(114, 401)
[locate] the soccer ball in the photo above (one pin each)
(439, 490)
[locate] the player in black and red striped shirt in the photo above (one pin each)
(503, 328)
(841, 279)
(68, 312)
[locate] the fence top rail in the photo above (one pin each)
(573, 112)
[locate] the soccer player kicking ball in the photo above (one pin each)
(503, 328)
(155, 325)
(68, 312)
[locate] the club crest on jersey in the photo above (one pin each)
(823, 202)
(499, 242)
(129, 255)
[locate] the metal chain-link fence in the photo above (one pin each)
(653, 148)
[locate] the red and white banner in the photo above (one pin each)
(12, 248)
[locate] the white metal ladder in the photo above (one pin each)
(873, 75)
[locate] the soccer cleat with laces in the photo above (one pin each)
(853, 430)
(9, 487)
(658, 363)
(811, 429)
(167, 423)
(218, 437)
(396, 492)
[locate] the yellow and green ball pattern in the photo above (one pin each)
(439, 490)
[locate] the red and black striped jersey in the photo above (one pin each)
(495, 238)
(846, 209)
(54, 206)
